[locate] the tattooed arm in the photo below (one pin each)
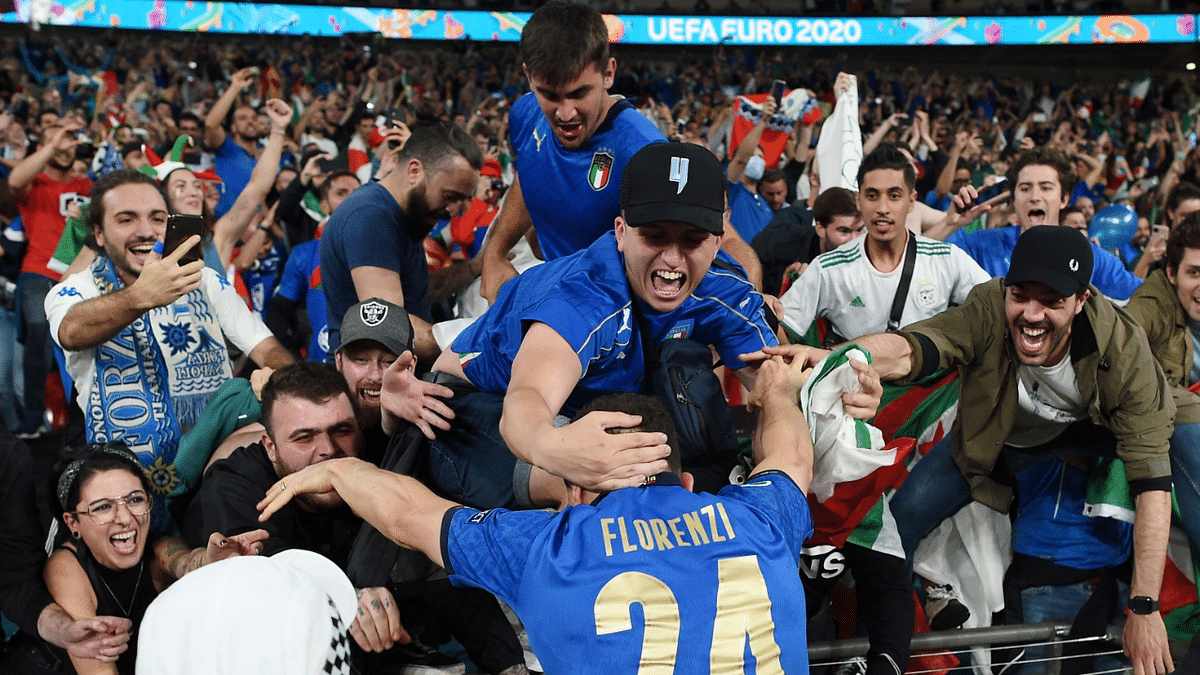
(173, 558)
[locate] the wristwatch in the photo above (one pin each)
(1142, 604)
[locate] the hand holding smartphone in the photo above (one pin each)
(180, 226)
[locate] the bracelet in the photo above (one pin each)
(264, 227)
(278, 130)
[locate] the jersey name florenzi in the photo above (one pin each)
(708, 525)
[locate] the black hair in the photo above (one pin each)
(326, 185)
(561, 40)
(652, 411)
(110, 181)
(888, 156)
(307, 380)
(437, 144)
(836, 201)
(773, 176)
(1185, 234)
(97, 458)
(1042, 156)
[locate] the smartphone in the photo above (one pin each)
(992, 191)
(777, 89)
(180, 226)
(1158, 233)
(1039, 117)
(336, 164)
(1148, 184)
(493, 142)
(397, 117)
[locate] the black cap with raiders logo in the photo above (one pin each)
(378, 320)
(1057, 256)
(680, 182)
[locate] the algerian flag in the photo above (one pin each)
(1139, 91)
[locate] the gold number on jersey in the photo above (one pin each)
(743, 609)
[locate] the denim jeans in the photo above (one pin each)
(471, 463)
(32, 290)
(12, 377)
(1060, 604)
(936, 489)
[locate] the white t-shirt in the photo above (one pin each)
(843, 286)
(191, 334)
(1048, 401)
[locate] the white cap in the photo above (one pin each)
(278, 615)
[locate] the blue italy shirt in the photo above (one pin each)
(302, 279)
(585, 298)
(653, 575)
(573, 196)
(992, 249)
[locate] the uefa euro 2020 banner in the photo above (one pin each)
(428, 24)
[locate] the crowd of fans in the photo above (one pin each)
(361, 204)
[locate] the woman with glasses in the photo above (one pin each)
(113, 564)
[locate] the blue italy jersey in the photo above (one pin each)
(573, 196)
(748, 211)
(585, 298)
(992, 249)
(649, 578)
(302, 279)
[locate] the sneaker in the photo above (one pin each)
(943, 609)
(855, 666)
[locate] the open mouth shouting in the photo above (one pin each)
(125, 543)
(1033, 341)
(1035, 216)
(570, 131)
(667, 284)
(369, 396)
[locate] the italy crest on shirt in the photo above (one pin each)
(601, 169)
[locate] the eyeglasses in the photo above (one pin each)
(103, 511)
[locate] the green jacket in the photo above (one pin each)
(1115, 372)
(1155, 306)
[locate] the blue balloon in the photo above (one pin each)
(1113, 226)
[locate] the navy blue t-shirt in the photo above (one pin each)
(370, 229)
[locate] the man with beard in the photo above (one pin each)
(44, 190)
(372, 246)
(1041, 181)
(309, 415)
(146, 338)
(234, 152)
(1048, 366)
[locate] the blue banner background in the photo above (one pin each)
(234, 17)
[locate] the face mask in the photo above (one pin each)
(755, 167)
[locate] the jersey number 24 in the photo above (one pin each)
(743, 609)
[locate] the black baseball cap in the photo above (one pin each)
(680, 182)
(1059, 257)
(378, 320)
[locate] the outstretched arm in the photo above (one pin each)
(400, 507)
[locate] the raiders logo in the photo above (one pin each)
(372, 313)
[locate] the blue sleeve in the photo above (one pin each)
(294, 285)
(781, 502)
(1111, 277)
(588, 339)
(489, 549)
